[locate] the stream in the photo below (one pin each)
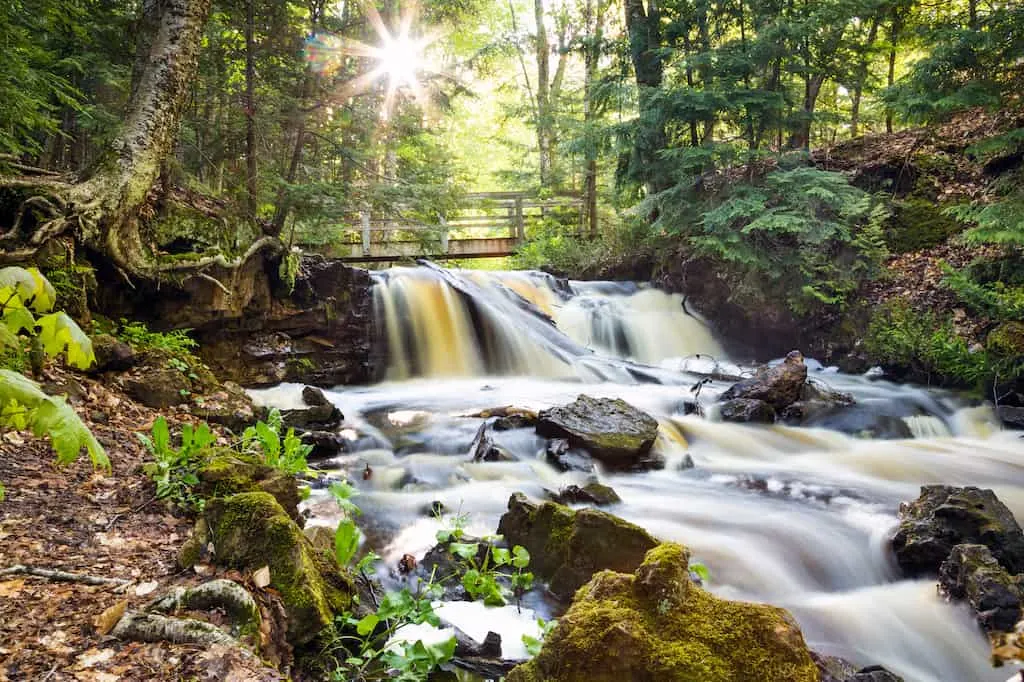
(794, 516)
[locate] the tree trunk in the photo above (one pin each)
(544, 122)
(250, 110)
(644, 30)
(595, 30)
(119, 190)
(862, 76)
(894, 34)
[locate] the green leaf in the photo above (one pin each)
(34, 289)
(500, 556)
(346, 542)
(58, 332)
(701, 571)
(520, 557)
(464, 550)
(367, 625)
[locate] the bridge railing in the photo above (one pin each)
(486, 224)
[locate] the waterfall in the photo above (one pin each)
(454, 323)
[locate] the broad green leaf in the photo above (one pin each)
(58, 332)
(346, 542)
(367, 624)
(465, 550)
(500, 556)
(34, 289)
(520, 557)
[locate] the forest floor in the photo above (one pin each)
(87, 522)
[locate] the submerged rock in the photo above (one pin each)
(945, 516)
(657, 625)
(567, 547)
(612, 431)
(560, 455)
(779, 386)
(747, 410)
(251, 530)
(835, 669)
(484, 449)
(972, 573)
(592, 493)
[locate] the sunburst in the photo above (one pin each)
(399, 57)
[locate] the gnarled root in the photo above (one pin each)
(150, 627)
(222, 594)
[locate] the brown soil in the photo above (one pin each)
(82, 521)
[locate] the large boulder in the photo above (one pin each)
(229, 473)
(567, 547)
(230, 406)
(779, 386)
(946, 516)
(612, 431)
(112, 354)
(655, 625)
(971, 573)
(251, 530)
(746, 411)
(1012, 417)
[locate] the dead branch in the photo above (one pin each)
(62, 576)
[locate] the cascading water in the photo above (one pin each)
(794, 516)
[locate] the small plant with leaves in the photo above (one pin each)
(346, 536)
(534, 644)
(176, 343)
(175, 470)
(27, 317)
(363, 649)
(287, 454)
(490, 575)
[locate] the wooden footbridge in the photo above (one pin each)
(487, 225)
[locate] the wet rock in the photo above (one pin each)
(314, 397)
(747, 410)
(112, 354)
(878, 421)
(875, 673)
(1012, 417)
(779, 386)
(251, 530)
(833, 668)
(316, 418)
(564, 458)
(686, 462)
(971, 573)
(440, 562)
(591, 493)
(567, 547)
(612, 431)
(655, 624)
(514, 421)
(946, 516)
(484, 449)
(326, 444)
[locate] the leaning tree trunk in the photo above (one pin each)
(106, 210)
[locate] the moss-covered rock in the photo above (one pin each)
(657, 626)
(971, 573)
(567, 547)
(918, 223)
(1006, 340)
(612, 431)
(229, 473)
(251, 530)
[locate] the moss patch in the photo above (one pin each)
(917, 224)
(251, 530)
(656, 625)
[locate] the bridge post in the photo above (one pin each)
(518, 228)
(364, 216)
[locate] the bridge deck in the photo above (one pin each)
(491, 247)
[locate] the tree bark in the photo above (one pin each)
(595, 30)
(250, 109)
(544, 118)
(862, 76)
(644, 30)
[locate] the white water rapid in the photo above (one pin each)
(798, 517)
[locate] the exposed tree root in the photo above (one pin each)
(227, 595)
(62, 576)
(151, 627)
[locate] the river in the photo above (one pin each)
(794, 516)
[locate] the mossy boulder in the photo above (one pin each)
(657, 626)
(251, 530)
(612, 431)
(594, 493)
(945, 516)
(568, 547)
(159, 387)
(746, 411)
(1006, 340)
(971, 573)
(918, 223)
(229, 473)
